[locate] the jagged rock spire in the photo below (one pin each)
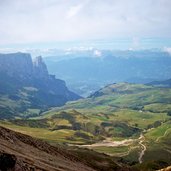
(40, 69)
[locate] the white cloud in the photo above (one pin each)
(97, 53)
(73, 10)
(63, 20)
(167, 49)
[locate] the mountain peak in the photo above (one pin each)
(38, 60)
(16, 64)
(40, 69)
(25, 80)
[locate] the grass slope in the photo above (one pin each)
(118, 111)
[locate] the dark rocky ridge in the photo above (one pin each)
(20, 152)
(165, 83)
(28, 84)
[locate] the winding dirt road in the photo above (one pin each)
(143, 147)
(110, 143)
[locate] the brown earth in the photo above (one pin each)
(28, 154)
(19, 152)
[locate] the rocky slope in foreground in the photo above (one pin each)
(19, 152)
(31, 154)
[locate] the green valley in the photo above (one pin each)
(121, 120)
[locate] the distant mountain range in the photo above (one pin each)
(87, 71)
(27, 88)
(165, 83)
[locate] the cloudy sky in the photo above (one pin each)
(35, 21)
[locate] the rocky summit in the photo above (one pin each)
(27, 88)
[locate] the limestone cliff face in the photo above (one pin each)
(16, 64)
(39, 68)
(30, 83)
(21, 65)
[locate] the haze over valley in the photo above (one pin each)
(86, 71)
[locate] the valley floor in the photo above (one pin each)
(122, 143)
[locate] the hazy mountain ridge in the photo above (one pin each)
(88, 72)
(165, 83)
(27, 85)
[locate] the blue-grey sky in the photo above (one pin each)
(35, 21)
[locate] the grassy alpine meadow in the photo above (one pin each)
(60, 132)
(54, 137)
(159, 134)
(118, 120)
(116, 151)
